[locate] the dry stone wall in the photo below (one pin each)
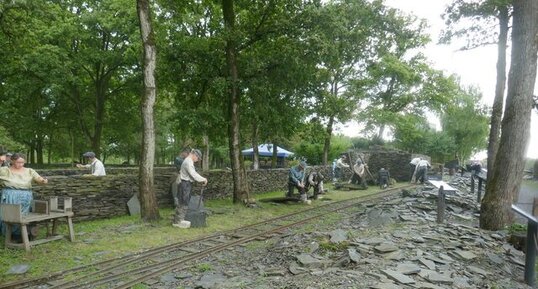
(103, 197)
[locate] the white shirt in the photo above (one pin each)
(340, 163)
(98, 169)
(359, 169)
(423, 163)
(415, 161)
(188, 173)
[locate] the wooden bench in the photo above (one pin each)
(43, 211)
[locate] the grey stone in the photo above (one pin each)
(18, 269)
(274, 272)
(372, 241)
(134, 205)
(445, 257)
(308, 261)
(408, 268)
(478, 270)
(466, 255)
(426, 285)
(386, 247)
(353, 255)
(313, 247)
(338, 236)
(385, 286)
(396, 255)
(398, 277)
(168, 278)
(210, 281)
(429, 264)
(494, 258)
(295, 269)
(435, 277)
(418, 239)
(408, 218)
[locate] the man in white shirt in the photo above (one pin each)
(413, 164)
(422, 171)
(340, 165)
(187, 175)
(97, 167)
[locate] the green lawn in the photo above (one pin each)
(104, 239)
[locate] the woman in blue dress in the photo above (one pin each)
(16, 182)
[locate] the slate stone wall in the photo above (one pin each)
(397, 162)
(104, 197)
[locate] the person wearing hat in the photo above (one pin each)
(359, 169)
(97, 167)
(187, 176)
(340, 166)
(296, 180)
(7, 160)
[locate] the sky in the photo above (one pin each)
(475, 67)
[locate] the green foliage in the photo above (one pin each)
(328, 246)
(517, 228)
(203, 267)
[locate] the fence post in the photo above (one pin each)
(479, 193)
(472, 183)
(441, 206)
(530, 255)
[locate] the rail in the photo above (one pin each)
(530, 245)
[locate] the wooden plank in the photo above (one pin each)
(535, 207)
(53, 203)
(40, 207)
(11, 213)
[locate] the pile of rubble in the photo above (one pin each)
(396, 243)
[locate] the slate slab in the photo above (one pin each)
(398, 277)
(338, 236)
(18, 269)
(386, 248)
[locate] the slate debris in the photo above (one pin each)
(395, 243)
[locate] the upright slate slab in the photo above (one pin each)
(134, 205)
(196, 213)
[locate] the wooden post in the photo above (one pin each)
(472, 183)
(535, 207)
(441, 206)
(479, 191)
(530, 255)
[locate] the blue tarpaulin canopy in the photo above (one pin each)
(266, 150)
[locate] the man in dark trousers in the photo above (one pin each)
(384, 178)
(296, 179)
(315, 180)
(359, 170)
(187, 175)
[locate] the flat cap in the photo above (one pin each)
(89, 155)
(197, 152)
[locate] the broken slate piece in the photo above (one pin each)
(466, 255)
(18, 269)
(386, 248)
(338, 236)
(408, 268)
(398, 277)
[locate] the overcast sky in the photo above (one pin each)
(475, 67)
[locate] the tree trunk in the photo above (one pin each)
(509, 163)
(255, 156)
(496, 113)
(205, 159)
(148, 202)
(239, 178)
(327, 144)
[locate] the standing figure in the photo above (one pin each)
(97, 167)
(340, 165)
(296, 180)
(359, 170)
(178, 161)
(384, 178)
(17, 181)
(187, 175)
(7, 161)
(315, 180)
(422, 171)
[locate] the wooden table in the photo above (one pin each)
(11, 215)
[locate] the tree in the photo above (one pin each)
(465, 121)
(479, 33)
(148, 201)
(503, 187)
(234, 99)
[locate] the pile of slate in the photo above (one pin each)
(392, 244)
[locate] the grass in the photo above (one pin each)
(105, 239)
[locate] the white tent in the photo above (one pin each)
(266, 150)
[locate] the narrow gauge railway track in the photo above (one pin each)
(129, 270)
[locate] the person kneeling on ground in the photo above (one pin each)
(315, 180)
(384, 178)
(187, 175)
(296, 180)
